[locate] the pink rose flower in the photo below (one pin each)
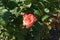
(28, 20)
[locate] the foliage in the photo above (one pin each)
(47, 13)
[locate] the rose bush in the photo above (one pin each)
(17, 21)
(28, 20)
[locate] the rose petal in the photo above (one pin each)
(28, 20)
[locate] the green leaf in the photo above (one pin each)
(27, 2)
(17, 1)
(14, 11)
(22, 0)
(6, 16)
(2, 22)
(28, 5)
(36, 12)
(46, 10)
(44, 17)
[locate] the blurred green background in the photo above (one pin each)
(47, 13)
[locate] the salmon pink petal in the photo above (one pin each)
(28, 20)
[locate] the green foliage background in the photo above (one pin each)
(11, 17)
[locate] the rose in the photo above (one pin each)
(28, 20)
